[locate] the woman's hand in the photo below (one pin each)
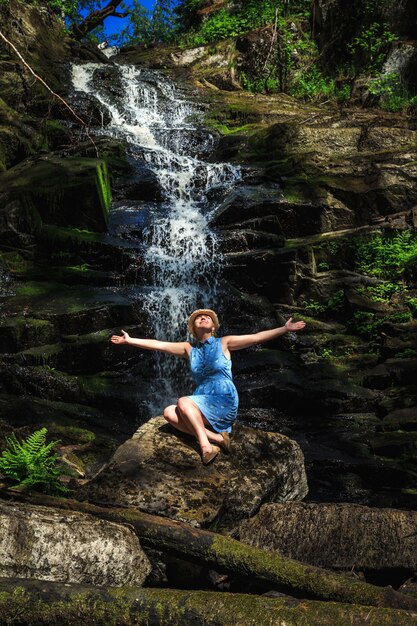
(293, 326)
(123, 339)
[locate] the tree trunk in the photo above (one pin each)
(96, 18)
(33, 602)
(220, 551)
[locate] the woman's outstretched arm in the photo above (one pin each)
(237, 342)
(180, 348)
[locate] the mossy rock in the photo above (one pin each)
(56, 134)
(17, 333)
(72, 191)
(73, 310)
(395, 444)
(401, 419)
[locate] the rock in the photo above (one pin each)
(401, 419)
(72, 310)
(144, 187)
(402, 62)
(402, 371)
(247, 204)
(358, 301)
(396, 445)
(91, 110)
(39, 35)
(160, 472)
(66, 192)
(187, 57)
(336, 536)
(410, 587)
(51, 544)
(378, 378)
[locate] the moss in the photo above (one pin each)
(103, 187)
(30, 290)
(73, 433)
(291, 573)
(13, 262)
(43, 355)
(292, 193)
(61, 235)
(94, 384)
(56, 134)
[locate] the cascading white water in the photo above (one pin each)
(181, 253)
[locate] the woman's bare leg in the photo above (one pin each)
(193, 417)
(173, 415)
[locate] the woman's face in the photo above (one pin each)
(204, 322)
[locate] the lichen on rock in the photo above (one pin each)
(47, 544)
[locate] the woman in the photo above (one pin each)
(214, 402)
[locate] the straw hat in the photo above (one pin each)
(194, 314)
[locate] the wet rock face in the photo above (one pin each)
(336, 536)
(160, 472)
(47, 544)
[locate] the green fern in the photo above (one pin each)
(32, 463)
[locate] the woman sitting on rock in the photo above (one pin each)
(214, 402)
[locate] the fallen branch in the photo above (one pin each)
(233, 556)
(55, 95)
(29, 602)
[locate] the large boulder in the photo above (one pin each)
(159, 471)
(61, 546)
(337, 536)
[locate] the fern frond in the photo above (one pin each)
(36, 441)
(32, 462)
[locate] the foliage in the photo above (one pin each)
(148, 27)
(385, 84)
(368, 324)
(326, 354)
(393, 95)
(313, 85)
(31, 463)
(335, 304)
(381, 292)
(313, 306)
(224, 23)
(186, 17)
(407, 353)
(372, 44)
(65, 8)
(388, 257)
(412, 304)
(323, 266)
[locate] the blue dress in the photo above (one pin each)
(215, 395)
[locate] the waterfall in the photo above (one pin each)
(162, 130)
